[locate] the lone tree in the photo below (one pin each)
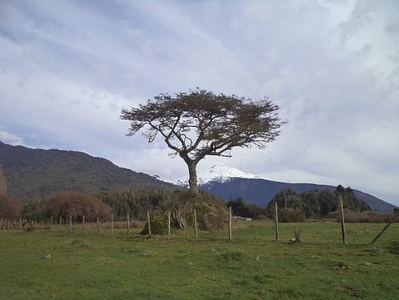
(200, 123)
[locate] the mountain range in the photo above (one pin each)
(36, 173)
(230, 183)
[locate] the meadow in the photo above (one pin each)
(87, 265)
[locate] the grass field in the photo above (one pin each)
(251, 266)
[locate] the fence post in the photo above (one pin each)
(60, 222)
(51, 223)
(83, 224)
(128, 224)
(169, 223)
(385, 228)
(70, 223)
(149, 223)
(112, 223)
(98, 225)
(276, 222)
(341, 206)
(195, 223)
(20, 223)
(230, 225)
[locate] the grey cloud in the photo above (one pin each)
(330, 65)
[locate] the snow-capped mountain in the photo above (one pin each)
(231, 183)
(218, 172)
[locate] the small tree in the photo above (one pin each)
(10, 207)
(77, 205)
(200, 123)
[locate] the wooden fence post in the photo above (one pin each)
(83, 224)
(60, 222)
(276, 222)
(230, 225)
(385, 228)
(112, 223)
(128, 224)
(70, 223)
(168, 223)
(51, 223)
(195, 223)
(98, 225)
(341, 205)
(149, 223)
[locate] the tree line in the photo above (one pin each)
(296, 206)
(293, 206)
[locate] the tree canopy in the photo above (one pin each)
(199, 123)
(77, 205)
(9, 207)
(314, 203)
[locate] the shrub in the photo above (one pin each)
(211, 212)
(362, 217)
(32, 209)
(10, 207)
(77, 205)
(287, 215)
(157, 227)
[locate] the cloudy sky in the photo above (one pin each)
(67, 68)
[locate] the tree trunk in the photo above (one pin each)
(192, 180)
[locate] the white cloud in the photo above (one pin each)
(68, 68)
(11, 139)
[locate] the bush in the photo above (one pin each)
(77, 205)
(157, 227)
(10, 207)
(287, 215)
(211, 212)
(32, 209)
(362, 217)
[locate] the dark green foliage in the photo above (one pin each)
(157, 227)
(9, 207)
(291, 215)
(135, 202)
(313, 204)
(32, 209)
(3, 185)
(244, 209)
(33, 173)
(211, 211)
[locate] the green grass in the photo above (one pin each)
(251, 266)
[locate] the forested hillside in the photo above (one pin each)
(33, 173)
(262, 191)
